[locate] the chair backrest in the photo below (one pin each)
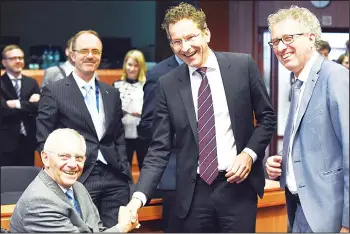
(17, 178)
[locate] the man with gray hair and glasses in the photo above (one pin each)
(313, 166)
(55, 201)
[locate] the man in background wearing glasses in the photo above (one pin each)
(19, 105)
(208, 103)
(55, 201)
(93, 108)
(314, 164)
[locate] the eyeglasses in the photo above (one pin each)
(66, 157)
(85, 52)
(21, 58)
(286, 39)
(177, 44)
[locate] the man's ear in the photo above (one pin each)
(44, 158)
(207, 34)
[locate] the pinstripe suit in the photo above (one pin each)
(51, 211)
(62, 106)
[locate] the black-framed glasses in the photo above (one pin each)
(286, 39)
(66, 157)
(21, 58)
(179, 42)
(95, 52)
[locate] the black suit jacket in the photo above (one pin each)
(62, 106)
(10, 118)
(168, 181)
(174, 114)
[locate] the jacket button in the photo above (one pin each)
(193, 180)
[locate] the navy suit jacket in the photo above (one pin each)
(168, 181)
(10, 119)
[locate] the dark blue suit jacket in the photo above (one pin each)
(145, 131)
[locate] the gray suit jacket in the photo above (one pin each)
(44, 207)
(321, 149)
(53, 74)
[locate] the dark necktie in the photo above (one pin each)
(18, 92)
(208, 161)
(74, 202)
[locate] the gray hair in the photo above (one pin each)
(305, 17)
(59, 136)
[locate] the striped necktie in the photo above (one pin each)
(18, 92)
(208, 161)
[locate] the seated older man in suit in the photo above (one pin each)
(55, 201)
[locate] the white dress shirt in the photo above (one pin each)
(81, 83)
(225, 140)
(290, 177)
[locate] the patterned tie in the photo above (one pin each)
(289, 130)
(18, 92)
(74, 202)
(208, 161)
(90, 101)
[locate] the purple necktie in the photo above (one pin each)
(208, 161)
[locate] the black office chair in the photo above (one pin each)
(14, 180)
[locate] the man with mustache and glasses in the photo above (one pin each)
(209, 103)
(93, 108)
(313, 166)
(19, 97)
(55, 201)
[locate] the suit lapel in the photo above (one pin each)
(107, 106)
(309, 88)
(80, 197)
(187, 99)
(75, 95)
(8, 86)
(230, 83)
(53, 186)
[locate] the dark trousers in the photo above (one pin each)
(222, 207)
(23, 155)
(138, 145)
(170, 222)
(109, 190)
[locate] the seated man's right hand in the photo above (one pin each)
(124, 220)
(273, 166)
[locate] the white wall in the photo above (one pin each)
(53, 22)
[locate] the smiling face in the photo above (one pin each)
(132, 68)
(87, 55)
(14, 61)
(293, 56)
(189, 42)
(59, 166)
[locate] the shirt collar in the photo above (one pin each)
(306, 71)
(81, 83)
(14, 78)
(62, 188)
(178, 60)
(211, 63)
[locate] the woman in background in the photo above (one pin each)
(130, 87)
(344, 60)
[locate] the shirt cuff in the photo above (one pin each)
(141, 196)
(251, 153)
(18, 104)
(118, 228)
